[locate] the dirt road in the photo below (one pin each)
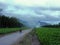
(14, 37)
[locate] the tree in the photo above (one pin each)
(9, 22)
(53, 26)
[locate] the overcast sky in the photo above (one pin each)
(32, 10)
(50, 3)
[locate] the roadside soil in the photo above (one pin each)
(29, 39)
(1, 35)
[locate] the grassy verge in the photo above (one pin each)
(48, 36)
(9, 30)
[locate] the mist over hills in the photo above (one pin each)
(30, 16)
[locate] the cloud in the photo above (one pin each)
(32, 11)
(43, 3)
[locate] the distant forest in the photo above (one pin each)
(9, 22)
(53, 26)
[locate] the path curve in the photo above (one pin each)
(12, 38)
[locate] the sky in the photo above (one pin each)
(33, 2)
(32, 11)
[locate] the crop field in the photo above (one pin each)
(9, 30)
(48, 36)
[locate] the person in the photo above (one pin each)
(21, 30)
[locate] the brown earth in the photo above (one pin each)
(1, 36)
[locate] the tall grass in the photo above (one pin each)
(10, 30)
(48, 36)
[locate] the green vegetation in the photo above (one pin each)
(10, 22)
(52, 26)
(48, 36)
(10, 30)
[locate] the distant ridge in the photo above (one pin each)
(43, 23)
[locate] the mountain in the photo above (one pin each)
(27, 21)
(43, 23)
(34, 24)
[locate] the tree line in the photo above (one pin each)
(53, 26)
(9, 22)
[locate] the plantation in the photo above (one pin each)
(48, 36)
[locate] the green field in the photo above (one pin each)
(48, 36)
(9, 30)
